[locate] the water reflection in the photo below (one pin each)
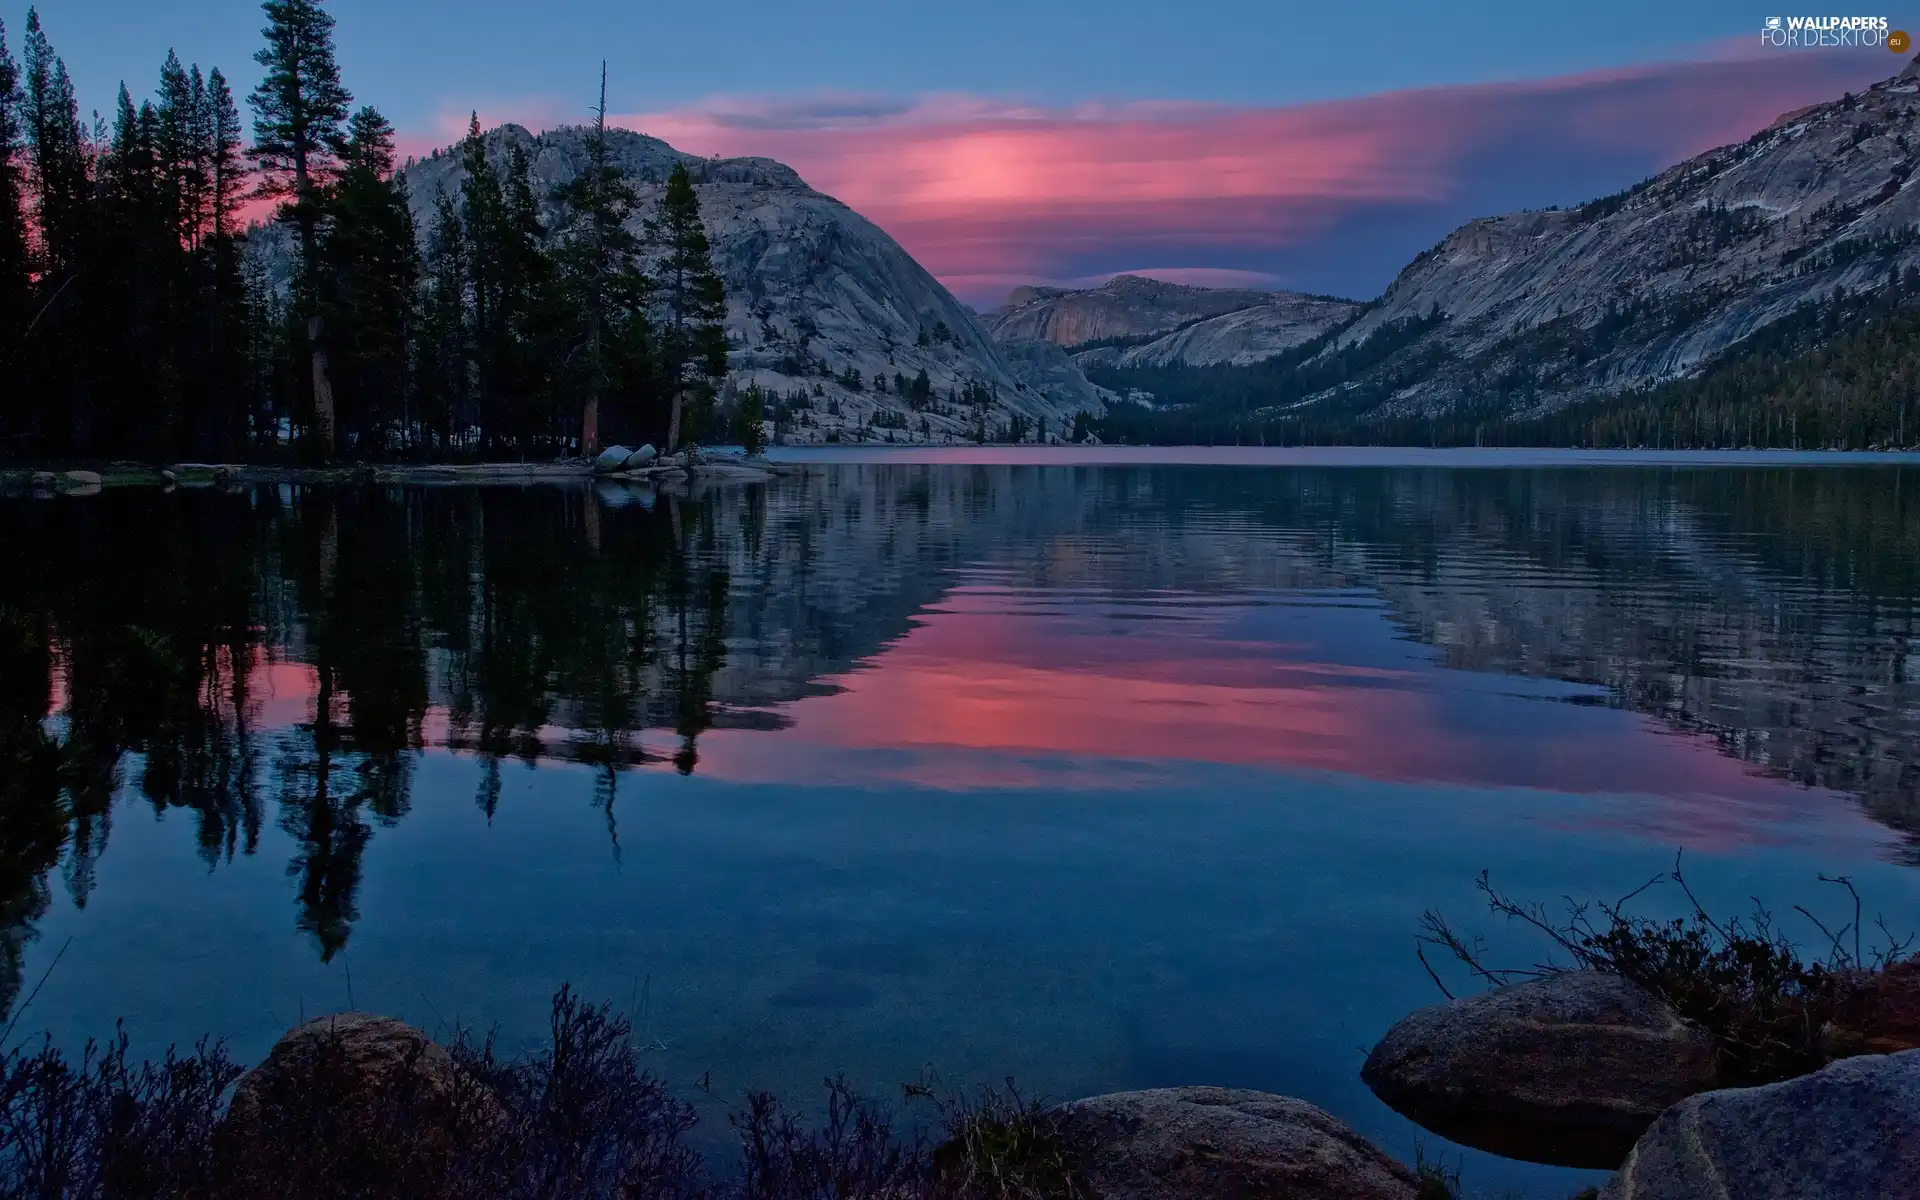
(289, 654)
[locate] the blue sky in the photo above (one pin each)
(1062, 141)
(416, 59)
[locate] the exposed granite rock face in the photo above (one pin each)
(1126, 306)
(810, 283)
(1244, 336)
(1224, 1144)
(1700, 257)
(1846, 1132)
(1051, 370)
(1568, 1070)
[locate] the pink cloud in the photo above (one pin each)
(989, 192)
(986, 193)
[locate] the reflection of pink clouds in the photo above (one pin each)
(283, 694)
(978, 698)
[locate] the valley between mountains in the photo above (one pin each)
(1694, 293)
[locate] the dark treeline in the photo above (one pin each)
(146, 660)
(1839, 373)
(141, 318)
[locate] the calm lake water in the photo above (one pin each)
(1099, 776)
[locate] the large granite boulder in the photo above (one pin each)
(642, 457)
(1223, 1144)
(613, 458)
(1850, 1131)
(1568, 1070)
(356, 1096)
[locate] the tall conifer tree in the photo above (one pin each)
(61, 181)
(443, 355)
(299, 114)
(14, 279)
(370, 268)
(601, 259)
(693, 345)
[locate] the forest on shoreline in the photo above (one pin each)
(135, 323)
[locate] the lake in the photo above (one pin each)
(1090, 770)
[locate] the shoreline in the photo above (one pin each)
(90, 478)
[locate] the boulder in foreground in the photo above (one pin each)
(351, 1094)
(1223, 1144)
(1850, 1130)
(613, 458)
(1568, 1070)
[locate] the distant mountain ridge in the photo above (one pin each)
(1513, 317)
(1704, 254)
(1134, 321)
(1523, 316)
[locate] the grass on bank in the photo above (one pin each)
(1742, 979)
(580, 1119)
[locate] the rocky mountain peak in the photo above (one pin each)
(1133, 320)
(821, 303)
(1654, 282)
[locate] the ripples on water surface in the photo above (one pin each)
(1103, 777)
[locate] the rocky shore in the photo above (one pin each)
(701, 465)
(1580, 1068)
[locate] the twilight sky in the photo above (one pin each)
(1003, 141)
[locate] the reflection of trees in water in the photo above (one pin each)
(496, 610)
(1771, 609)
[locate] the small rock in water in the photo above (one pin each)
(84, 478)
(1224, 1144)
(1849, 1131)
(611, 459)
(644, 456)
(1568, 1070)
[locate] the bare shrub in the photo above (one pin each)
(1741, 979)
(104, 1127)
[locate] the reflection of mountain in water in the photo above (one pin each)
(293, 650)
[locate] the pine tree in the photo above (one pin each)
(226, 174)
(507, 275)
(748, 420)
(14, 279)
(693, 345)
(299, 110)
(61, 182)
(482, 219)
(177, 151)
(444, 361)
(600, 259)
(58, 149)
(369, 269)
(229, 419)
(526, 275)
